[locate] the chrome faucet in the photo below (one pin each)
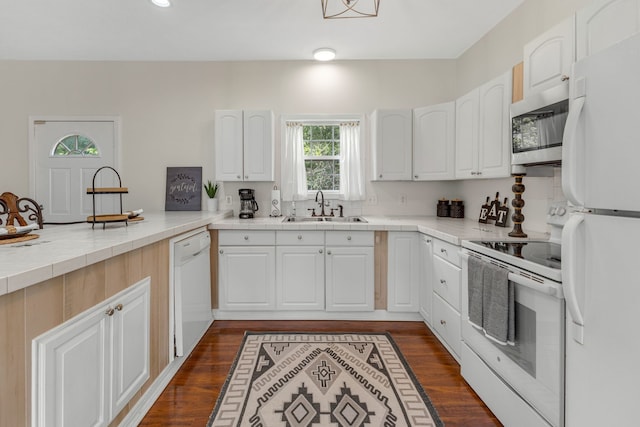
(321, 202)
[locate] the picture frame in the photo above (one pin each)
(183, 189)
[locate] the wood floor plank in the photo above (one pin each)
(191, 395)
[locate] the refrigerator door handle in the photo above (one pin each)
(569, 156)
(569, 249)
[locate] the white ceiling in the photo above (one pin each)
(221, 30)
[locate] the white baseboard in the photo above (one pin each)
(315, 315)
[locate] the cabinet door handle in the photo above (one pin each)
(444, 251)
(119, 307)
(246, 237)
(320, 251)
(380, 176)
(238, 176)
(564, 78)
(473, 173)
(246, 177)
(415, 176)
(221, 251)
(428, 240)
(328, 252)
(443, 322)
(348, 237)
(299, 236)
(110, 312)
(442, 281)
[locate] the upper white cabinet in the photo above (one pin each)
(391, 145)
(483, 131)
(604, 23)
(548, 58)
(244, 145)
(87, 369)
(434, 142)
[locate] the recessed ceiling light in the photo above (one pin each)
(161, 3)
(324, 54)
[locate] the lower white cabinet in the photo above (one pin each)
(349, 281)
(403, 278)
(300, 277)
(426, 277)
(246, 278)
(87, 369)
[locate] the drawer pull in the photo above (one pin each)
(319, 251)
(443, 322)
(328, 252)
(442, 250)
(348, 237)
(442, 281)
(110, 312)
(246, 237)
(221, 251)
(299, 236)
(119, 307)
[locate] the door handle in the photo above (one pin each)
(568, 250)
(569, 152)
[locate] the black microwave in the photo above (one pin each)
(537, 127)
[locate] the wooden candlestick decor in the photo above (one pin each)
(518, 204)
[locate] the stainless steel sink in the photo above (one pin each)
(324, 219)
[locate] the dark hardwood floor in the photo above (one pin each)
(191, 395)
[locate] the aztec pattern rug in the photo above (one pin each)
(309, 379)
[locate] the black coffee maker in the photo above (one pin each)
(248, 204)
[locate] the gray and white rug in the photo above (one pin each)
(310, 379)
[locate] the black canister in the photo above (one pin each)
(443, 208)
(457, 208)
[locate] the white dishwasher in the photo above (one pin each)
(192, 290)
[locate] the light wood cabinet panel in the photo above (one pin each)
(404, 272)
(517, 86)
(12, 360)
(381, 255)
(83, 289)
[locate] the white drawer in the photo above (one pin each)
(446, 321)
(446, 281)
(349, 238)
(447, 251)
(292, 237)
(246, 238)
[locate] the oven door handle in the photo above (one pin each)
(555, 291)
(538, 287)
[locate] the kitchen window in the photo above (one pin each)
(322, 154)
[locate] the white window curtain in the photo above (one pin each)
(351, 177)
(294, 177)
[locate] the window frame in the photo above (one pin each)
(325, 119)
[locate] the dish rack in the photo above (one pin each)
(120, 190)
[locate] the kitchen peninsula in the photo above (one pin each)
(70, 269)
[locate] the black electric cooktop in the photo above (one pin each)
(542, 253)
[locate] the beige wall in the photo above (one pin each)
(167, 109)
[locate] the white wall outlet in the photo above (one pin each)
(372, 199)
(403, 199)
(228, 200)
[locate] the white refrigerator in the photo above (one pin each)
(600, 254)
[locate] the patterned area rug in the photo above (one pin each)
(308, 379)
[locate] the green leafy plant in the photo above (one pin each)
(211, 189)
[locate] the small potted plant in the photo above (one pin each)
(212, 202)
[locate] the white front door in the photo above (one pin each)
(65, 155)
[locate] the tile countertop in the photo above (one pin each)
(447, 229)
(64, 248)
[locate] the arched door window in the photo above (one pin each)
(76, 146)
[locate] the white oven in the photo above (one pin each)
(523, 384)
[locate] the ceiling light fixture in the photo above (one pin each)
(350, 8)
(161, 3)
(324, 54)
